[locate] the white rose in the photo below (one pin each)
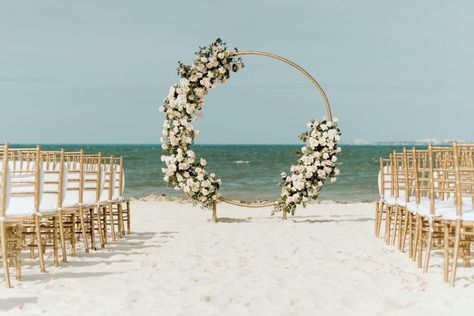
(184, 82)
(203, 161)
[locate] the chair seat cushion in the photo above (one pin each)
(467, 214)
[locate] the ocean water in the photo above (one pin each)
(249, 172)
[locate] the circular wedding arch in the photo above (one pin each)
(327, 105)
(213, 64)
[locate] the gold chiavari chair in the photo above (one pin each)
(121, 214)
(399, 199)
(10, 232)
(407, 215)
(103, 203)
(384, 187)
(112, 199)
(459, 222)
(119, 198)
(54, 183)
(21, 197)
(73, 201)
(92, 187)
(391, 200)
(435, 190)
(50, 197)
(407, 172)
(419, 204)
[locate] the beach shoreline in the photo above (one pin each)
(185, 200)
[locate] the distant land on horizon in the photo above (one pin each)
(358, 142)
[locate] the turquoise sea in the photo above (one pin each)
(249, 172)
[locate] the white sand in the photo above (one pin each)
(323, 261)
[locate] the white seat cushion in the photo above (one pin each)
(467, 214)
(390, 200)
(424, 207)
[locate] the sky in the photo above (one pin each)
(97, 71)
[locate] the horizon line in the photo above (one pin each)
(382, 143)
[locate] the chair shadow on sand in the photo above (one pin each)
(131, 244)
(318, 221)
(234, 220)
(13, 302)
(314, 219)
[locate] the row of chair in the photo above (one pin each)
(426, 200)
(54, 199)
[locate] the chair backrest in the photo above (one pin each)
(72, 165)
(464, 164)
(401, 184)
(4, 180)
(385, 178)
(108, 178)
(22, 189)
(444, 177)
(92, 180)
(54, 181)
(119, 179)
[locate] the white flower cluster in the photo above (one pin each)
(317, 163)
(212, 65)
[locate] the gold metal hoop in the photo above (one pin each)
(315, 84)
(298, 67)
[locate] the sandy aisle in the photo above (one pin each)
(324, 260)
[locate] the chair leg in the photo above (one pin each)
(128, 217)
(457, 241)
(3, 236)
(395, 226)
(19, 237)
(83, 228)
(382, 210)
(446, 253)
(417, 237)
(112, 225)
(388, 218)
(468, 255)
(99, 227)
(120, 219)
(405, 230)
(73, 235)
(104, 225)
(410, 235)
(61, 236)
(402, 217)
(92, 228)
(55, 241)
(380, 219)
(419, 252)
(428, 251)
(39, 243)
(377, 214)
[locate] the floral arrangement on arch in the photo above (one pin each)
(316, 164)
(212, 65)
